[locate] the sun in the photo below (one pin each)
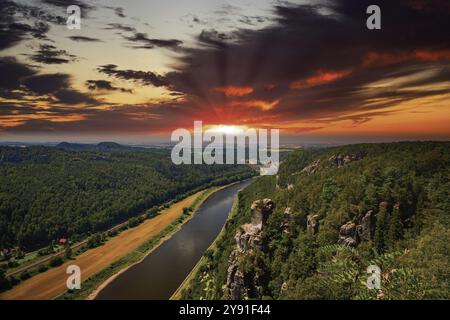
(226, 129)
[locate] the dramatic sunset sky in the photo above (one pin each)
(139, 69)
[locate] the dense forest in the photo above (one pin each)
(329, 215)
(72, 190)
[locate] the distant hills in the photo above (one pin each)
(102, 146)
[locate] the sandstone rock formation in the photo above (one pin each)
(235, 281)
(248, 239)
(351, 234)
(347, 234)
(261, 209)
(342, 160)
(366, 229)
(312, 167)
(337, 160)
(288, 220)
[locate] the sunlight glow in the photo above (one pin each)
(226, 129)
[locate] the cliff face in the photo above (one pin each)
(242, 282)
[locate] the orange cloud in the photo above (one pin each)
(232, 91)
(263, 105)
(321, 77)
(387, 58)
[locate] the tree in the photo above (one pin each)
(68, 252)
(395, 228)
(4, 283)
(380, 227)
(56, 261)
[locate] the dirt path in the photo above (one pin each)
(50, 284)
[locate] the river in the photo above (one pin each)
(163, 270)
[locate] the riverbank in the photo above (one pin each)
(99, 264)
(186, 283)
(159, 239)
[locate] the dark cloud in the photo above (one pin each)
(68, 96)
(129, 119)
(119, 12)
(104, 85)
(11, 73)
(8, 39)
(47, 83)
(317, 65)
(120, 27)
(49, 54)
(142, 41)
(13, 29)
(38, 30)
(144, 77)
(252, 20)
(84, 39)
(58, 86)
(85, 6)
(8, 109)
(214, 37)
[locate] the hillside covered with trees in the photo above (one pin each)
(71, 191)
(329, 215)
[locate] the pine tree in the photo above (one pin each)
(380, 227)
(395, 228)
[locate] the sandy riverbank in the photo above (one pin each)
(52, 283)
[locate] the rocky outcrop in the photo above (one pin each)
(235, 280)
(343, 160)
(248, 239)
(312, 223)
(312, 167)
(337, 160)
(261, 209)
(288, 220)
(347, 234)
(366, 229)
(351, 234)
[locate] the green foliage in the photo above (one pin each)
(56, 261)
(25, 275)
(50, 193)
(406, 185)
(4, 282)
(94, 241)
(42, 268)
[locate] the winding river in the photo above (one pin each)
(163, 270)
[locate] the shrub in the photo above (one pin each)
(56, 261)
(25, 275)
(42, 268)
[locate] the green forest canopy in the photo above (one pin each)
(406, 185)
(75, 190)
